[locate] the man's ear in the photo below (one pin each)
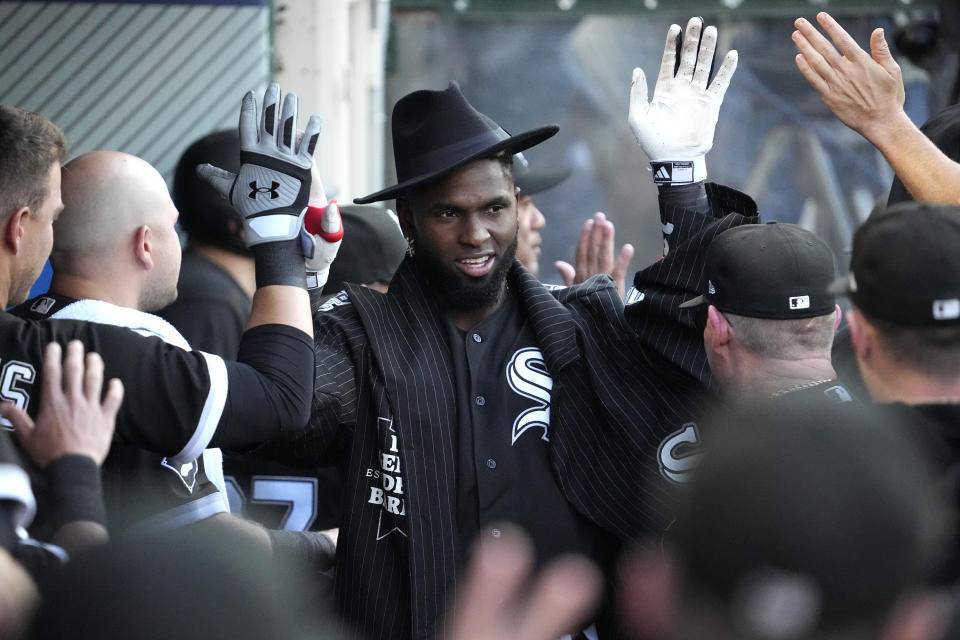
(717, 330)
(13, 229)
(861, 334)
(142, 247)
(405, 216)
(838, 316)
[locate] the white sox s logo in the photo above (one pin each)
(527, 375)
(678, 455)
(13, 374)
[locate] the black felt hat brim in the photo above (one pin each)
(513, 144)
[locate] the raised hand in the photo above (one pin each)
(865, 91)
(71, 420)
(496, 600)
(272, 190)
(676, 127)
(595, 255)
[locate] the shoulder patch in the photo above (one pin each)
(42, 305)
(332, 303)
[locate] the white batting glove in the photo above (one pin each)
(676, 128)
(321, 235)
(272, 189)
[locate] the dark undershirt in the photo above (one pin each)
(504, 469)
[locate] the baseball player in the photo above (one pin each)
(470, 393)
(178, 401)
(770, 320)
(116, 258)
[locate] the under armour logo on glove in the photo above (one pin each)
(272, 190)
(269, 155)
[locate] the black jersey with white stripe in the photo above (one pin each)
(143, 491)
(176, 402)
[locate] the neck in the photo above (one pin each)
(116, 291)
(909, 386)
(4, 291)
(765, 377)
(241, 268)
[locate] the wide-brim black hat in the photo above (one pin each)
(435, 132)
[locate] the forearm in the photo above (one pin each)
(76, 502)
(79, 535)
(689, 197)
(280, 304)
(230, 525)
(926, 172)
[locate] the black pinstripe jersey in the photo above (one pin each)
(627, 388)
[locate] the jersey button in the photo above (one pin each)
(481, 401)
(491, 463)
(477, 338)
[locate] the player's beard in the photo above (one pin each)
(449, 284)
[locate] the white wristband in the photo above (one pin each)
(317, 279)
(678, 172)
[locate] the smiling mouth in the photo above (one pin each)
(476, 267)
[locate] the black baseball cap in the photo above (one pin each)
(531, 180)
(773, 270)
(204, 215)
(905, 267)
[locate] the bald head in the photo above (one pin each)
(107, 195)
(116, 239)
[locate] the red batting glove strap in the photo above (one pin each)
(313, 217)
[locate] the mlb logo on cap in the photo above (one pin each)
(800, 302)
(946, 309)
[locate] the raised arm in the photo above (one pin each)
(271, 192)
(181, 402)
(675, 127)
(675, 130)
(865, 91)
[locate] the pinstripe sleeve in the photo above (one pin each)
(655, 313)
